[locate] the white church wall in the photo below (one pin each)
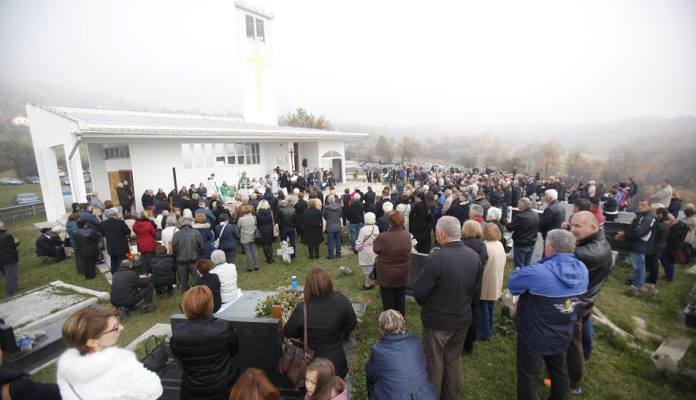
(310, 151)
(275, 155)
(49, 130)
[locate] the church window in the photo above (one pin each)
(250, 27)
(116, 152)
(204, 155)
(254, 28)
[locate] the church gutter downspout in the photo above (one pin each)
(77, 144)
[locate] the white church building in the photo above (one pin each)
(157, 150)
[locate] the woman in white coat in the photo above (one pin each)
(363, 244)
(491, 281)
(93, 368)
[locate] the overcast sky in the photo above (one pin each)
(399, 63)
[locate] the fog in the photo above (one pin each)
(449, 65)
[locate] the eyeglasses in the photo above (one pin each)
(116, 327)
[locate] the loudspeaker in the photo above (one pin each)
(304, 163)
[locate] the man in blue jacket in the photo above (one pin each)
(546, 313)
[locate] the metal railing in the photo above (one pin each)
(25, 210)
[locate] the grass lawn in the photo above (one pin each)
(615, 371)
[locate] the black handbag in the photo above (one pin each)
(156, 359)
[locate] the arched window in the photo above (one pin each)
(332, 154)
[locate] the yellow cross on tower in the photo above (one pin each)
(258, 64)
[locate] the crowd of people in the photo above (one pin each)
(462, 222)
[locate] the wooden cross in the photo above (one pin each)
(258, 64)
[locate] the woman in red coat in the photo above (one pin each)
(146, 232)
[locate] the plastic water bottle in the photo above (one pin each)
(293, 282)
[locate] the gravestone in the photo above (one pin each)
(39, 315)
(625, 217)
(415, 268)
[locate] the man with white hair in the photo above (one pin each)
(9, 260)
(554, 214)
(546, 313)
(449, 281)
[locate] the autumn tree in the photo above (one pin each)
(409, 147)
(384, 149)
(548, 158)
(302, 119)
(578, 168)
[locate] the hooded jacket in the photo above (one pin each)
(549, 293)
(110, 374)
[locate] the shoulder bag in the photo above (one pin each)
(296, 356)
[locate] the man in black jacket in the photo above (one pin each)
(128, 289)
(116, 232)
(48, 244)
(595, 252)
(449, 281)
(9, 260)
(554, 214)
(640, 237)
(87, 242)
(525, 227)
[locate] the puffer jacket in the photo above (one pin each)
(264, 223)
(163, 270)
(397, 370)
(286, 217)
(207, 349)
(8, 249)
(146, 233)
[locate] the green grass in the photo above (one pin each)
(8, 191)
(615, 370)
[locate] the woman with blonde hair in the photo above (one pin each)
(491, 282)
(94, 368)
(397, 368)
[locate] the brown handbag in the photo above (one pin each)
(296, 356)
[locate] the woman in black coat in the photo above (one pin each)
(421, 221)
(212, 281)
(472, 235)
(264, 223)
(330, 319)
(313, 224)
(206, 347)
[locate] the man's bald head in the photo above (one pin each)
(584, 224)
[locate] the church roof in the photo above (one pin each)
(99, 123)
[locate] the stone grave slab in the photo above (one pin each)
(39, 314)
(625, 217)
(670, 352)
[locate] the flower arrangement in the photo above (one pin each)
(286, 298)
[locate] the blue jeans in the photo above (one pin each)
(333, 240)
(10, 272)
(484, 319)
(587, 332)
(522, 255)
(354, 230)
(638, 263)
(668, 264)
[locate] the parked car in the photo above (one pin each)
(10, 181)
(25, 198)
(32, 179)
(66, 180)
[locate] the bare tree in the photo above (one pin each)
(384, 149)
(409, 148)
(577, 167)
